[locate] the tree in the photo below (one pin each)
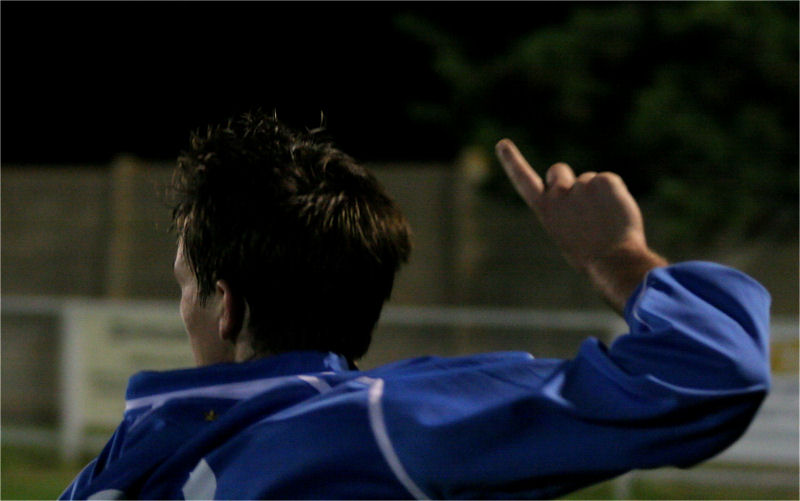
(694, 104)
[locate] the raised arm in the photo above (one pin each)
(681, 386)
(592, 218)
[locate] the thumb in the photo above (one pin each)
(525, 180)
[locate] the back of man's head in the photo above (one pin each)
(307, 237)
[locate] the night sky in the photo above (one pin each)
(82, 82)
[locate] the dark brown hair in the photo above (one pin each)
(303, 233)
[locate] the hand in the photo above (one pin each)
(593, 219)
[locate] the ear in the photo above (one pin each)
(231, 314)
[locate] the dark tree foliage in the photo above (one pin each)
(694, 104)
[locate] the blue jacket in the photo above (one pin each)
(679, 388)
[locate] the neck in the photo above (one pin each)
(243, 351)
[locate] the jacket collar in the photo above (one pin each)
(148, 383)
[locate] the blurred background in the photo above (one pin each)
(694, 104)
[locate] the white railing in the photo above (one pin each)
(104, 341)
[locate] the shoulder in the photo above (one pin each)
(442, 366)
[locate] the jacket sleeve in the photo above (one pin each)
(680, 387)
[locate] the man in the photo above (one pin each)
(287, 252)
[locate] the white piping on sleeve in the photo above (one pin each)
(234, 391)
(378, 426)
(107, 495)
(318, 384)
(72, 487)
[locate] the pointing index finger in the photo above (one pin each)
(525, 180)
